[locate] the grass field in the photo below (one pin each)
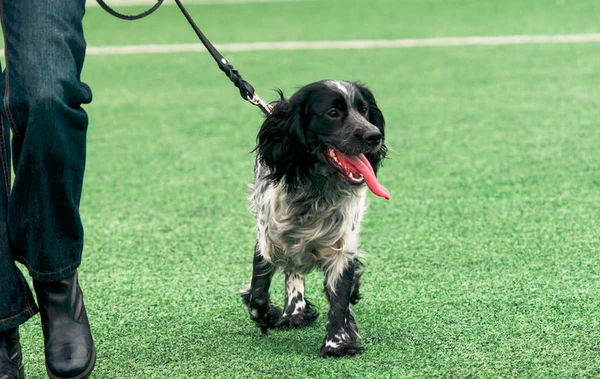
(484, 263)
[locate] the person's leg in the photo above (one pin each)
(45, 48)
(16, 300)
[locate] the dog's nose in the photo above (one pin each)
(372, 138)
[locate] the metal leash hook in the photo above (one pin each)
(246, 90)
(263, 105)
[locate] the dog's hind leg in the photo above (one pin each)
(257, 298)
(342, 331)
(298, 311)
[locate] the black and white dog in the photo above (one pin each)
(315, 153)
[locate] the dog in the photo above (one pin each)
(316, 155)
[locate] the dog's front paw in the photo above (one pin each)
(332, 349)
(267, 320)
(301, 319)
(341, 344)
(264, 314)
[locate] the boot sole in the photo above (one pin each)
(83, 375)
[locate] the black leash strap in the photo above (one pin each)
(122, 16)
(246, 90)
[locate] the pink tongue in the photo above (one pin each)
(361, 163)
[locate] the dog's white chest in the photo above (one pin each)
(299, 231)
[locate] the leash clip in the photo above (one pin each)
(264, 106)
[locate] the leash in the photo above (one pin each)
(247, 92)
(122, 16)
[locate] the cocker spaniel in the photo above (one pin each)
(317, 154)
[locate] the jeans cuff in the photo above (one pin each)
(50, 276)
(18, 319)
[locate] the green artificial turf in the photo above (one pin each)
(348, 19)
(483, 264)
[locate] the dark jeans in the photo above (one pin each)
(39, 218)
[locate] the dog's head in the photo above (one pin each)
(330, 130)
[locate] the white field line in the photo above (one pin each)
(126, 3)
(357, 44)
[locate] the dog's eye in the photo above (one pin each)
(364, 110)
(333, 113)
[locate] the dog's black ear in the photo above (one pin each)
(376, 118)
(281, 142)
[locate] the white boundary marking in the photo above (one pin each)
(357, 44)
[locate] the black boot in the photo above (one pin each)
(11, 358)
(68, 344)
